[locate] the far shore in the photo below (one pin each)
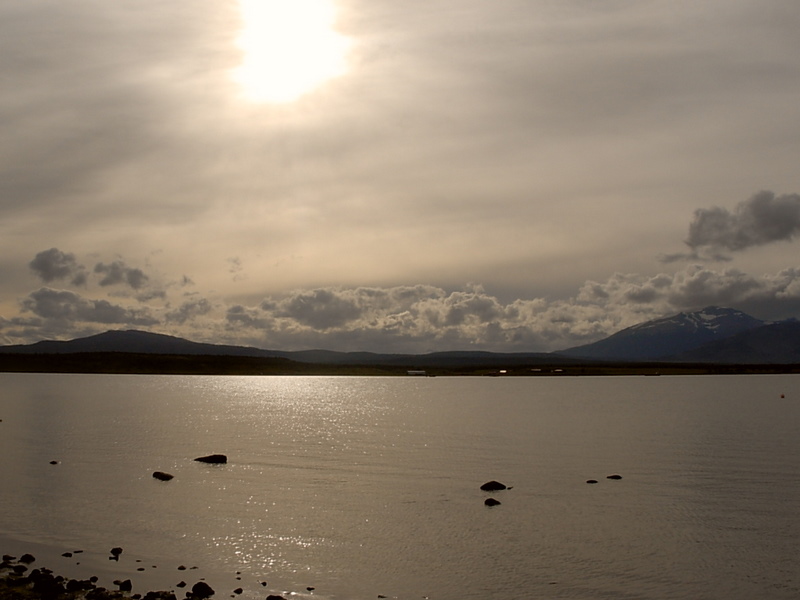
(174, 364)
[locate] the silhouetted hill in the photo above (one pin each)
(140, 342)
(712, 335)
(143, 342)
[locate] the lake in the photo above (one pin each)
(364, 487)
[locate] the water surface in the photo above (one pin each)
(366, 486)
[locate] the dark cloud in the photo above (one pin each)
(762, 219)
(54, 264)
(118, 272)
(69, 307)
(189, 310)
(321, 309)
(239, 316)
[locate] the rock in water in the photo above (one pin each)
(202, 590)
(216, 459)
(493, 486)
(161, 476)
(491, 502)
(614, 477)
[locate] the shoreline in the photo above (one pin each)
(119, 363)
(24, 577)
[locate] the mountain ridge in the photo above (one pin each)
(709, 335)
(660, 339)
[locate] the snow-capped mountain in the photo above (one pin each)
(664, 338)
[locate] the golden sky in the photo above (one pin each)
(373, 175)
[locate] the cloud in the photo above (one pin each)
(762, 219)
(54, 264)
(118, 272)
(189, 310)
(421, 318)
(418, 318)
(68, 308)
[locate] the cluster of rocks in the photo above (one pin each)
(212, 459)
(616, 477)
(18, 581)
(493, 486)
(496, 486)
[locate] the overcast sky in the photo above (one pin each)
(514, 175)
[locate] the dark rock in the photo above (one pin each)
(493, 486)
(216, 459)
(238, 591)
(491, 502)
(67, 554)
(17, 581)
(275, 597)
(160, 595)
(202, 590)
(27, 559)
(311, 589)
(591, 481)
(614, 477)
(53, 462)
(19, 569)
(161, 476)
(125, 586)
(8, 558)
(78, 585)
(181, 568)
(182, 584)
(98, 593)
(116, 551)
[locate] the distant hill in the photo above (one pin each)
(140, 342)
(668, 337)
(143, 342)
(712, 335)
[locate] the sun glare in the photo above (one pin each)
(289, 48)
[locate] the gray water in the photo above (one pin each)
(360, 487)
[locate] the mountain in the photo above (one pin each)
(712, 335)
(665, 338)
(772, 343)
(143, 342)
(140, 342)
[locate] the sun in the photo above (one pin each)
(289, 48)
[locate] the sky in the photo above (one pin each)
(514, 175)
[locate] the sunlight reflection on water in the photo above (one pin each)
(366, 486)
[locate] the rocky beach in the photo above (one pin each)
(22, 578)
